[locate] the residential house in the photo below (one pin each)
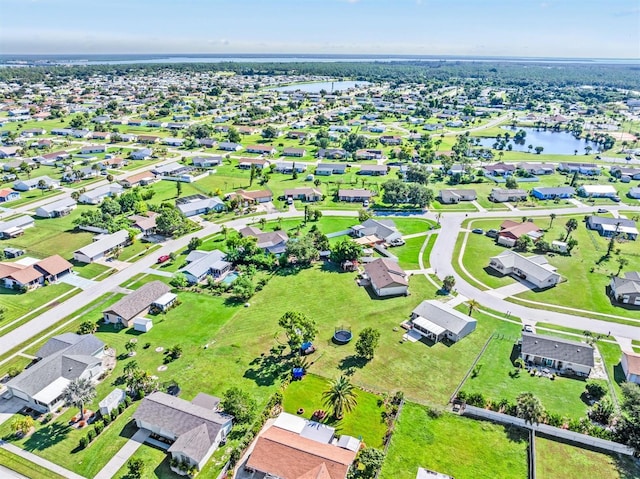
(552, 193)
(148, 139)
(390, 140)
(198, 205)
(16, 226)
(53, 267)
(634, 193)
(332, 153)
(93, 149)
(97, 195)
(206, 161)
(386, 277)
(597, 191)
(135, 304)
(304, 194)
(287, 167)
(385, 230)
(533, 269)
(589, 169)
(607, 227)
(298, 152)
(252, 197)
(173, 141)
(297, 448)
(7, 195)
(626, 290)
(139, 179)
(8, 151)
(114, 163)
(274, 242)
(194, 429)
(630, 363)
(56, 209)
(62, 359)
(201, 264)
(145, 223)
(500, 195)
(562, 354)
(353, 195)
(100, 135)
(620, 172)
(229, 146)
(537, 168)
(257, 163)
(207, 142)
(141, 154)
(172, 169)
(328, 169)
(101, 247)
(456, 196)
(368, 154)
(436, 321)
(511, 231)
(373, 170)
(42, 182)
(499, 169)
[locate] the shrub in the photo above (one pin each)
(106, 419)
(47, 418)
(146, 346)
(127, 400)
(433, 413)
(84, 442)
(98, 427)
(91, 435)
(121, 407)
(13, 372)
(597, 390)
(114, 414)
(234, 457)
(477, 400)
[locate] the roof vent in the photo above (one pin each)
(556, 345)
(578, 350)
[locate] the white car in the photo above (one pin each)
(528, 328)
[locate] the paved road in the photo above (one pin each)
(442, 259)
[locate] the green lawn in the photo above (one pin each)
(612, 354)
(156, 464)
(89, 270)
(364, 421)
(18, 362)
(409, 252)
(18, 304)
(496, 381)
(460, 447)
(557, 460)
(26, 467)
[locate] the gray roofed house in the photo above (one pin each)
(384, 229)
(352, 195)
(557, 353)
(33, 183)
(534, 269)
(195, 431)
(135, 304)
(607, 227)
(56, 209)
(95, 196)
(141, 154)
(100, 248)
(205, 263)
(62, 359)
(456, 195)
(201, 206)
(16, 226)
(627, 289)
(551, 193)
(271, 241)
(500, 195)
(436, 321)
(206, 161)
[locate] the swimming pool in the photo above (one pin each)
(230, 277)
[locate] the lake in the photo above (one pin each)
(553, 142)
(316, 87)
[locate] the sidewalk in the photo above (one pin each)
(123, 455)
(39, 461)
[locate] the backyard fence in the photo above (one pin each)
(544, 429)
(455, 393)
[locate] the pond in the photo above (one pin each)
(316, 87)
(553, 142)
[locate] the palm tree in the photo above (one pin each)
(340, 397)
(473, 306)
(571, 226)
(553, 217)
(448, 283)
(529, 408)
(79, 392)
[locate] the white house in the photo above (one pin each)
(557, 353)
(534, 269)
(33, 183)
(597, 191)
(56, 209)
(387, 278)
(97, 195)
(102, 247)
(201, 264)
(436, 321)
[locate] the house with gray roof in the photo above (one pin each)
(626, 290)
(97, 195)
(607, 227)
(384, 229)
(199, 206)
(16, 226)
(194, 431)
(33, 183)
(437, 321)
(62, 359)
(561, 354)
(552, 193)
(135, 304)
(534, 269)
(101, 247)
(201, 264)
(450, 196)
(56, 209)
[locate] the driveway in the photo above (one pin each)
(123, 455)
(9, 407)
(77, 281)
(511, 289)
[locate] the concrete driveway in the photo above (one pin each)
(9, 407)
(77, 281)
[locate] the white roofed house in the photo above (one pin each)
(16, 226)
(62, 359)
(597, 191)
(42, 182)
(304, 194)
(201, 264)
(199, 205)
(534, 269)
(500, 195)
(101, 247)
(57, 208)
(626, 290)
(607, 227)
(97, 195)
(437, 321)
(206, 161)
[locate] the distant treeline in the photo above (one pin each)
(488, 73)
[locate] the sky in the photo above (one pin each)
(523, 28)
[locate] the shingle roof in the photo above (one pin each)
(443, 315)
(54, 265)
(132, 304)
(384, 273)
(559, 349)
(630, 284)
(105, 244)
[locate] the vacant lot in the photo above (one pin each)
(453, 445)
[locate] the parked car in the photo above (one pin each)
(289, 201)
(492, 233)
(365, 203)
(528, 328)
(478, 231)
(396, 242)
(602, 210)
(164, 258)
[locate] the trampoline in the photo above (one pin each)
(342, 335)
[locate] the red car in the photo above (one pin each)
(164, 258)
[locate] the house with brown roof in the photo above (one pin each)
(251, 197)
(193, 428)
(144, 178)
(148, 139)
(135, 304)
(630, 363)
(511, 231)
(16, 275)
(295, 448)
(274, 242)
(146, 222)
(247, 163)
(304, 194)
(386, 277)
(358, 195)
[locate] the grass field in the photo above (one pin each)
(17, 304)
(156, 464)
(26, 467)
(557, 460)
(496, 380)
(457, 446)
(364, 421)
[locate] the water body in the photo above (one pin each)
(553, 142)
(316, 87)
